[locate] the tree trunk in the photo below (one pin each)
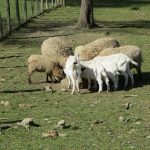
(86, 18)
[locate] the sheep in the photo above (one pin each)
(92, 72)
(73, 71)
(133, 52)
(45, 64)
(98, 72)
(90, 50)
(119, 62)
(113, 65)
(57, 49)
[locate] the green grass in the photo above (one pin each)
(78, 110)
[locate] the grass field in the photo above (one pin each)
(118, 128)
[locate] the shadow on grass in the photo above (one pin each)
(107, 3)
(12, 56)
(2, 67)
(18, 91)
(139, 82)
(124, 24)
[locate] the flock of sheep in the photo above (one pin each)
(101, 60)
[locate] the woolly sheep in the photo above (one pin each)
(45, 64)
(131, 51)
(90, 50)
(56, 48)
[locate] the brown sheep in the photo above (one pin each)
(45, 64)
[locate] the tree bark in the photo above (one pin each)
(86, 18)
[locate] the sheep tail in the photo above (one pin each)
(134, 63)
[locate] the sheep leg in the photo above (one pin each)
(47, 78)
(29, 78)
(69, 85)
(89, 83)
(126, 77)
(77, 86)
(100, 83)
(73, 83)
(131, 77)
(115, 82)
(107, 83)
(95, 85)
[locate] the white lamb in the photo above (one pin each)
(73, 70)
(117, 63)
(98, 72)
(131, 51)
(113, 65)
(93, 72)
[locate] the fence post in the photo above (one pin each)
(1, 26)
(42, 5)
(47, 7)
(17, 12)
(64, 2)
(32, 7)
(8, 16)
(37, 7)
(52, 3)
(25, 9)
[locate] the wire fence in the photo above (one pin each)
(15, 13)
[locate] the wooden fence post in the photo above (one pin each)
(52, 3)
(25, 9)
(64, 2)
(47, 7)
(42, 5)
(37, 6)
(17, 12)
(32, 7)
(1, 26)
(8, 16)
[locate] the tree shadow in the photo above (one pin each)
(124, 24)
(107, 3)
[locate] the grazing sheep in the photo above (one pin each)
(57, 49)
(131, 51)
(90, 50)
(42, 63)
(73, 71)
